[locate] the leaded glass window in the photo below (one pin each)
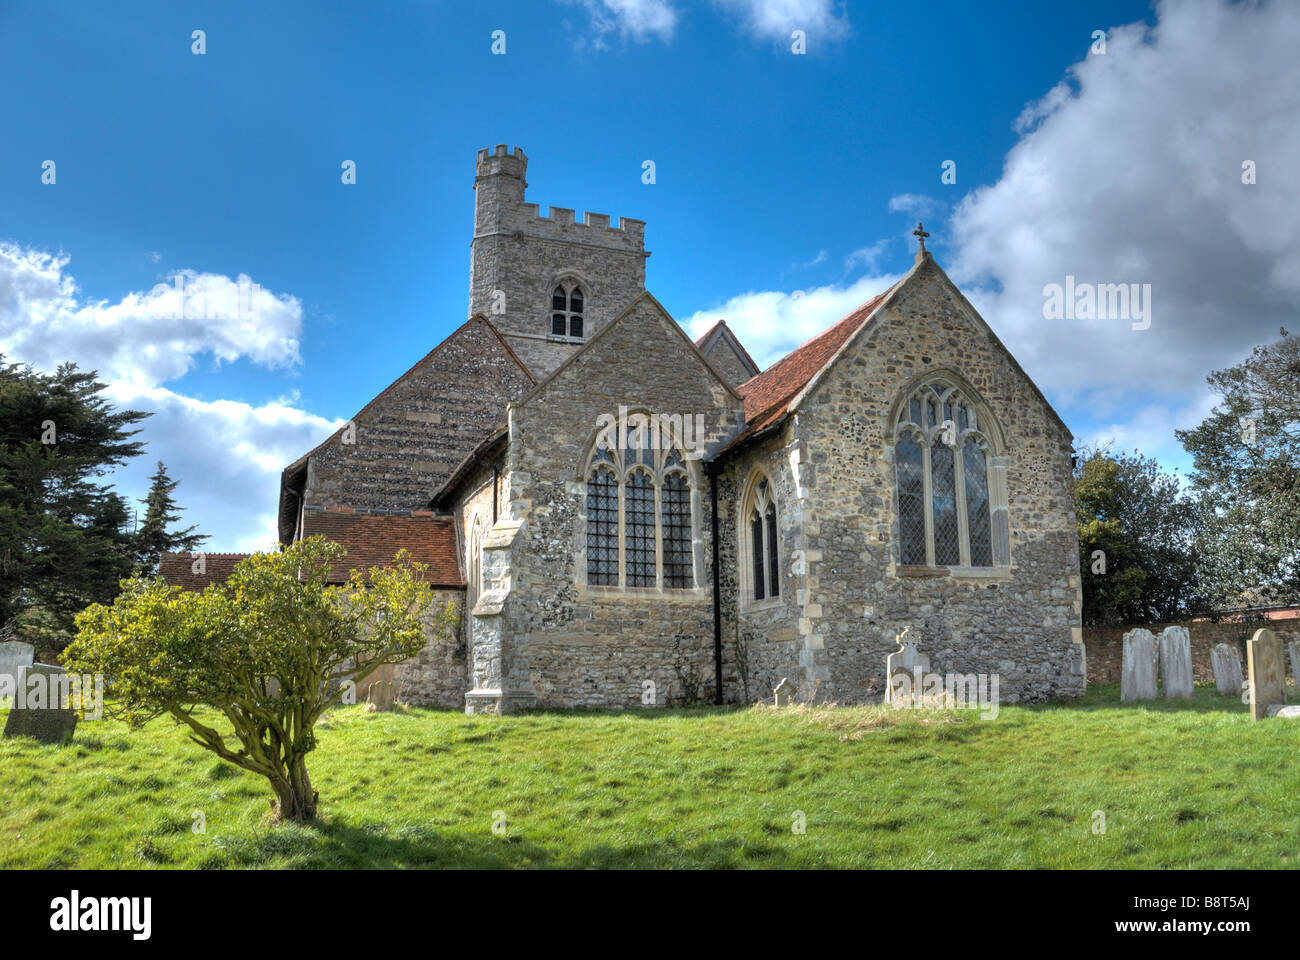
(639, 522)
(977, 503)
(639, 529)
(944, 478)
(676, 506)
(911, 498)
(567, 310)
(602, 527)
(760, 549)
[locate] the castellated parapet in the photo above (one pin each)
(519, 256)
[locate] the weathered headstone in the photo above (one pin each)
(1138, 672)
(1227, 669)
(784, 692)
(1176, 662)
(1267, 680)
(381, 695)
(905, 661)
(41, 706)
(14, 655)
(1294, 648)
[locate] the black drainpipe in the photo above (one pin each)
(717, 590)
(494, 495)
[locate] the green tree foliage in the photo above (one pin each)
(1136, 533)
(153, 538)
(64, 538)
(270, 649)
(1246, 471)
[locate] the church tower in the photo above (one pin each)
(547, 283)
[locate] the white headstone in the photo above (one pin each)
(14, 655)
(1227, 669)
(905, 660)
(1138, 673)
(784, 692)
(1294, 648)
(1176, 662)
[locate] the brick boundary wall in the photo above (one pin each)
(1105, 645)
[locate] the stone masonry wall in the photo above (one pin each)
(1023, 625)
(764, 631)
(726, 361)
(594, 646)
(438, 676)
(410, 437)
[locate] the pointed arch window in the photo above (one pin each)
(640, 523)
(760, 548)
(950, 480)
(567, 306)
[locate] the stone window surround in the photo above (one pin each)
(988, 433)
(568, 279)
(744, 553)
(688, 468)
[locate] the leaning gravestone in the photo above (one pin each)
(905, 660)
(1138, 673)
(784, 692)
(14, 655)
(1267, 681)
(1294, 648)
(1176, 662)
(41, 708)
(1227, 669)
(381, 695)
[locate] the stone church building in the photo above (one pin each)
(624, 516)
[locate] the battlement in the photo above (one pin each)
(499, 162)
(560, 223)
(500, 208)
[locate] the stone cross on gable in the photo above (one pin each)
(920, 234)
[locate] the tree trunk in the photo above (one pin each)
(295, 800)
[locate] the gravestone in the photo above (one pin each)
(40, 707)
(784, 692)
(381, 695)
(905, 660)
(1267, 680)
(1138, 673)
(1294, 648)
(14, 655)
(1227, 669)
(1286, 713)
(1176, 662)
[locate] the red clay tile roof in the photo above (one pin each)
(373, 539)
(768, 395)
(178, 569)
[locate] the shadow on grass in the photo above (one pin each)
(374, 846)
(1205, 699)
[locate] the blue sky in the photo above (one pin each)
(786, 187)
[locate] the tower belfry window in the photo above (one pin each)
(566, 310)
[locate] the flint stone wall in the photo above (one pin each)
(410, 437)
(595, 646)
(1022, 624)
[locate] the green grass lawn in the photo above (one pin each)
(1181, 784)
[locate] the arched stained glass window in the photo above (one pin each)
(951, 512)
(602, 527)
(640, 523)
(760, 547)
